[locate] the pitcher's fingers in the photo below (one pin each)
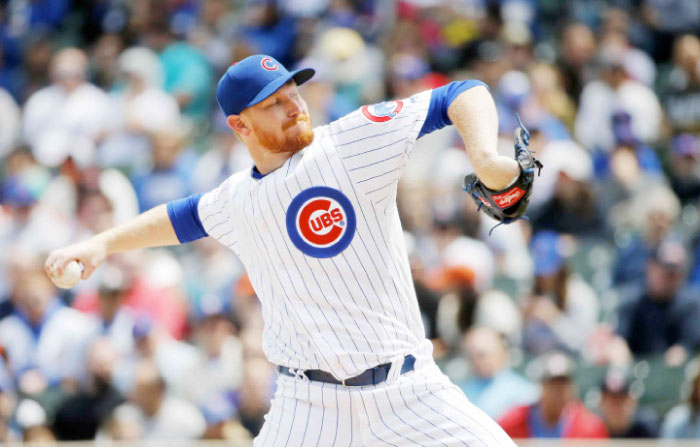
(88, 269)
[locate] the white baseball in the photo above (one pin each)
(70, 277)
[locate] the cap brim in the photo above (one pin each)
(299, 76)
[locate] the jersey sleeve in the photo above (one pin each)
(375, 141)
(215, 211)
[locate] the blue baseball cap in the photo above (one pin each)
(547, 252)
(253, 79)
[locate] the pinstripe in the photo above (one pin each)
(372, 150)
(406, 406)
(281, 411)
(308, 414)
(304, 283)
(353, 273)
(318, 284)
(294, 413)
(397, 415)
(350, 409)
(359, 259)
(337, 415)
(376, 135)
(460, 411)
(373, 395)
(437, 413)
(376, 163)
(392, 261)
(304, 303)
(371, 234)
(447, 417)
(352, 129)
(323, 414)
(258, 252)
(262, 265)
(382, 187)
(380, 175)
(369, 425)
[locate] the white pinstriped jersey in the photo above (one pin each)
(322, 243)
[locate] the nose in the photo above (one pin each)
(295, 108)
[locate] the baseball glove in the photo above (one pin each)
(509, 204)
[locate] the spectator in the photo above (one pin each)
(618, 407)
(169, 175)
(615, 91)
(681, 89)
(31, 420)
(188, 76)
(578, 49)
(140, 109)
(685, 169)
(558, 413)
(661, 317)
(44, 340)
(10, 124)
(165, 417)
(173, 358)
(218, 369)
(492, 385)
(683, 421)
(68, 117)
(563, 310)
(113, 320)
(80, 415)
(651, 214)
(572, 208)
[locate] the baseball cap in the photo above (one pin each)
(686, 145)
(547, 252)
(671, 255)
(616, 382)
(251, 80)
(555, 365)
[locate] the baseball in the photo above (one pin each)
(70, 277)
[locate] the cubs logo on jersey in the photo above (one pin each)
(321, 222)
(382, 112)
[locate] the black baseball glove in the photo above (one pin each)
(509, 204)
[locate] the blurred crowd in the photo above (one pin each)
(582, 321)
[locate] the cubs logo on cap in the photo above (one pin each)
(321, 222)
(268, 64)
(382, 112)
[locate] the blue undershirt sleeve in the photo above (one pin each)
(185, 218)
(440, 100)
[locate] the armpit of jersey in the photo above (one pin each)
(321, 222)
(185, 219)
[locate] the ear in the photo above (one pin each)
(237, 125)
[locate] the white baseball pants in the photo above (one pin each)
(419, 408)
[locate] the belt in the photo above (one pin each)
(369, 377)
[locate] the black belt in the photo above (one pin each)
(369, 377)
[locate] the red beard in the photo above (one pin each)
(281, 143)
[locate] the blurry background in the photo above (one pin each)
(582, 322)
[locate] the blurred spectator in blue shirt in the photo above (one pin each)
(492, 385)
(683, 421)
(661, 317)
(563, 310)
(169, 177)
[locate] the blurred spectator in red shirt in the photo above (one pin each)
(558, 413)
